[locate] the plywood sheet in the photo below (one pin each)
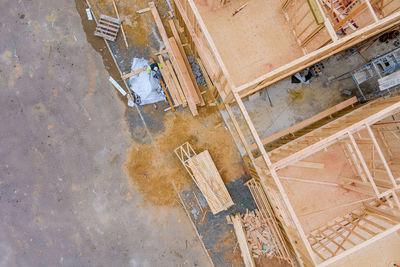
(255, 41)
(210, 182)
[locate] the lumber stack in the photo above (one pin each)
(210, 183)
(177, 73)
(202, 169)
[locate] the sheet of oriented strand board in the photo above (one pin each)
(316, 204)
(255, 41)
(210, 182)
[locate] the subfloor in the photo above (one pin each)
(252, 42)
(316, 204)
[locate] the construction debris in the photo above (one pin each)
(258, 235)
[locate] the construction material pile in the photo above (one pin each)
(258, 236)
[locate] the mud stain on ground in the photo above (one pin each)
(152, 167)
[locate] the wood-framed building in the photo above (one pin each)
(342, 155)
(248, 45)
(334, 186)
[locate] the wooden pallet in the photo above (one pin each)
(107, 27)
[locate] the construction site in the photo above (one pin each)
(200, 133)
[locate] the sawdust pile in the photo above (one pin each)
(152, 167)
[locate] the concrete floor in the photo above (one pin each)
(293, 103)
(64, 197)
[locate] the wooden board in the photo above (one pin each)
(176, 82)
(242, 240)
(198, 97)
(133, 73)
(184, 77)
(170, 83)
(210, 182)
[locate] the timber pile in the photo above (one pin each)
(253, 235)
(177, 73)
(258, 235)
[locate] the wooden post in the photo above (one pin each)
(361, 158)
(122, 27)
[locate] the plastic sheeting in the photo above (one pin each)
(145, 86)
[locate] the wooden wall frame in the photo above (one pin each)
(342, 129)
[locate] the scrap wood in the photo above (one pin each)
(238, 9)
(122, 27)
(133, 73)
(258, 235)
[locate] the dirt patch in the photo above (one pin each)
(152, 167)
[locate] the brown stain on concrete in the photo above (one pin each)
(153, 167)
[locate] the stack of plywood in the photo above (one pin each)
(210, 182)
(177, 73)
(204, 173)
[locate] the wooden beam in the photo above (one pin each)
(371, 10)
(351, 15)
(197, 97)
(380, 153)
(176, 82)
(308, 121)
(386, 213)
(143, 10)
(363, 164)
(188, 88)
(133, 73)
(243, 244)
(307, 164)
(122, 27)
(168, 80)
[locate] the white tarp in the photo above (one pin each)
(145, 85)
